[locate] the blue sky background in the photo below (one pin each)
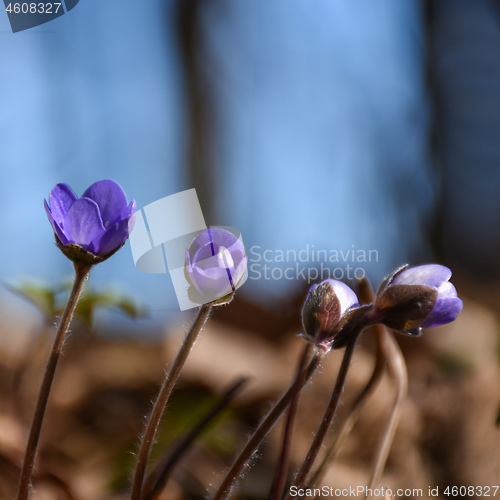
(321, 125)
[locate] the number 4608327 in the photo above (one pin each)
(477, 491)
(33, 8)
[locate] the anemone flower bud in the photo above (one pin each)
(92, 228)
(416, 298)
(215, 265)
(323, 309)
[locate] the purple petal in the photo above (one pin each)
(205, 260)
(213, 281)
(216, 237)
(224, 238)
(346, 296)
(190, 272)
(225, 259)
(432, 275)
(209, 262)
(129, 210)
(204, 257)
(448, 307)
(54, 225)
(200, 241)
(110, 198)
(131, 221)
(215, 262)
(236, 249)
(60, 200)
(111, 239)
(83, 223)
(240, 271)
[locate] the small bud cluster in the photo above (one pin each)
(407, 301)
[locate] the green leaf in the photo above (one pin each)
(43, 297)
(51, 300)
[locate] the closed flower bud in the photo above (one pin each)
(215, 265)
(323, 309)
(416, 298)
(90, 229)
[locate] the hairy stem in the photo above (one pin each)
(160, 475)
(279, 482)
(397, 368)
(354, 412)
(330, 411)
(161, 401)
(43, 396)
(261, 432)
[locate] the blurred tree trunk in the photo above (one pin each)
(200, 156)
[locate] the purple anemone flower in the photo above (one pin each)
(325, 305)
(448, 305)
(99, 222)
(215, 264)
(419, 297)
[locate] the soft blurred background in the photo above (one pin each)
(338, 125)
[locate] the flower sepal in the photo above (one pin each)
(353, 321)
(223, 301)
(196, 297)
(388, 280)
(79, 255)
(414, 298)
(326, 308)
(404, 307)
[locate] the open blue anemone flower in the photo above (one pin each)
(325, 305)
(215, 264)
(418, 297)
(94, 226)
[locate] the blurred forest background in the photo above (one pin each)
(335, 123)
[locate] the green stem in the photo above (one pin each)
(261, 432)
(161, 402)
(43, 396)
